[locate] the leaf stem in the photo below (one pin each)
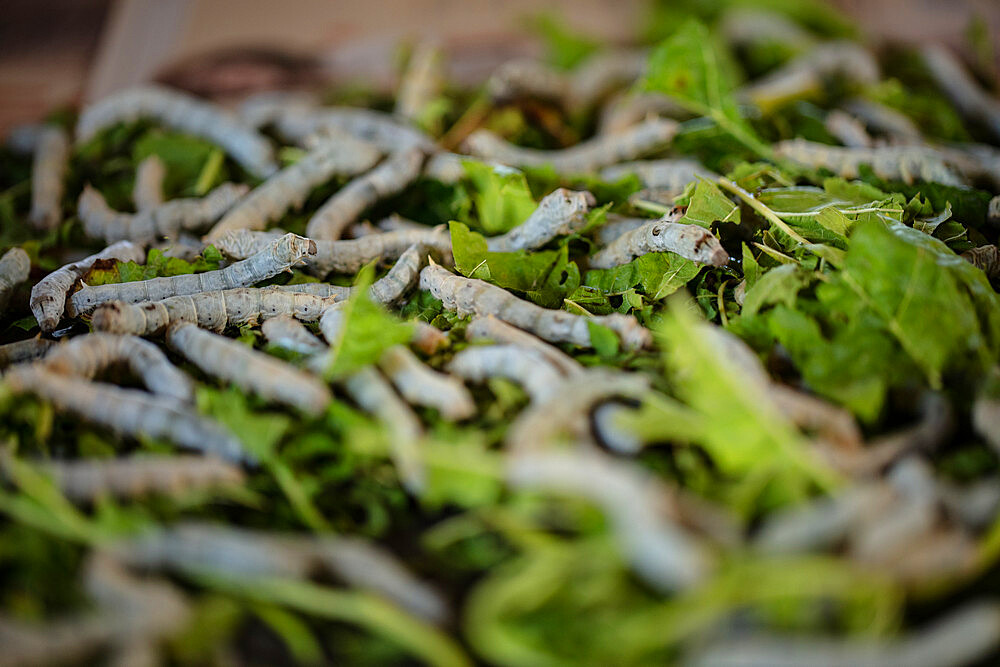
(760, 208)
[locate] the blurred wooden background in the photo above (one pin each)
(55, 52)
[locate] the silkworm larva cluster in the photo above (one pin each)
(280, 255)
(588, 156)
(100, 221)
(470, 296)
(186, 114)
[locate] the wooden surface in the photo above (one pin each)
(56, 52)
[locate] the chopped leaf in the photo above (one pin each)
(501, 196)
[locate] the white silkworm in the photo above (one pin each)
(289, 188)
(184, 113)
(48, 296)
(253, 371)
(394, 222)
(961, 638)
(48, 174)
(426, 338)
(421, 385)
(895, 163)
(382, 129)
(262, 109)
(324, 290)
(401, 278)
(202, 548)
(560, 213)
(672, 174)
(592, 81)
(615, 226)
(209, 310)
(521, 365)
(422, 82)
(629, 108)
(392, 176)
(993, 213)
(986, 258)
(445, 167)
(746, 26)
(986, 419)
(661, 552)
(342, 256)
(147, 191)
(496, 330)
(288, 333)
(974, 505)
(280, 255)
(127, 412)
(374, 394)
(86, 356)
(100, 221)
(86, 480)
(807, 73)
(24, 350)
(847, 129)
(884, 119)
(564, 413)
(961, 88)
(647, 137)
(607, 420)
(471, 296)
(692, 242)
(14, 268)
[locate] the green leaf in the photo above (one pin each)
(779, 285)
(709, 205)
(157, 265)
(184, 156)
(260, 432)
(604, 340)
(368, 331)
(657, 275)
(687, 67)
(501, 196)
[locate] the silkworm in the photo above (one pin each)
(392, 176)
(253, 371)
(496, 330)
(14, 268)
(615, 226)
(147, 191)
(607, 420)
(468, 296)
(324, 290)
(23, 139)
(445, 167)
(184, 113)
(60, 641)
(565, 413)
(847, 129)
(86, 356)
(374, 395)
(518, 364)
(421, 385)
(262, 109)
(426, 338)
(629, 108)
(593, 80)
(280, 255)
(202, 548)
(127, 412)
(884, 119)
(660, 552)
(647, 137)
(975, 161)
(100, 221)
(48, 174)
(894, 163)
(974, 505)
(401, 278)
(342, 256)
(289, 188)
(963, 637)
(747, 26)
(395, 223)
(672, 174)
(808, 73)
(422, 82)
(86, 480)
(986, 258)
(968, 97)
(692, 242)
(288, 333)
(209, 310)
(986, 419)
(48, 296)
(24, 350)
(993, 214)
(382, 129)
(560, 213)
